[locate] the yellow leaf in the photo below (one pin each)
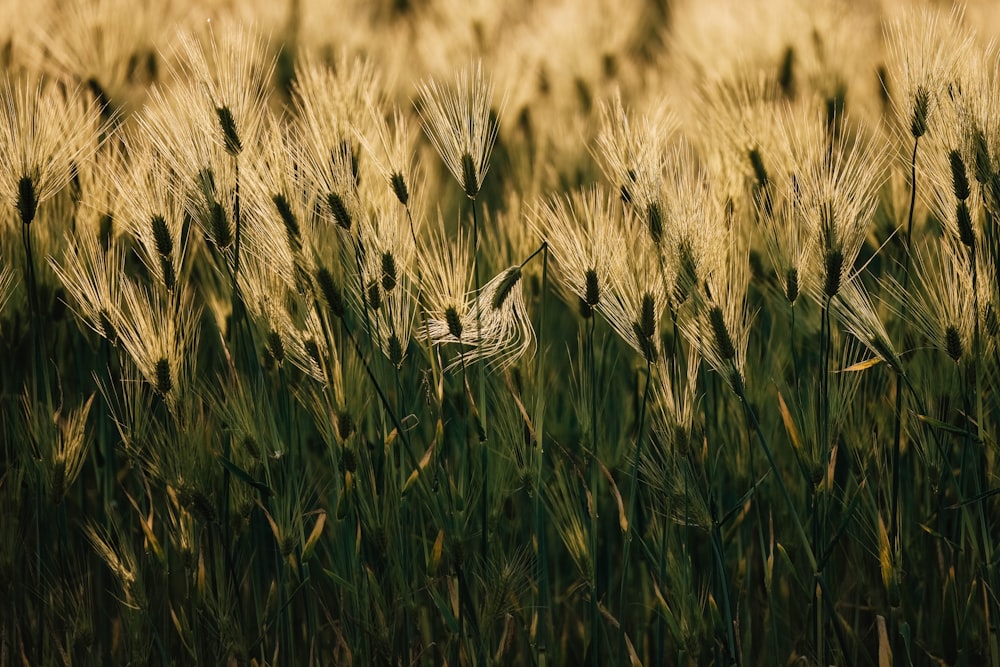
(786, 416)
(884, 647)
(424, 460)
(314, 536)
(860, 366)
(436, 550)
(622, 517)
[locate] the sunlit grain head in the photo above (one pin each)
(631, 149)
(838, 192)
(46, 128)
(159, 335)
(392, 150)
(718, 323)
(584, 234)
(92, 275)
(457, 118)
(388, 269)
(944, 300)
(151, 207)
(926, 48)
(230, 69)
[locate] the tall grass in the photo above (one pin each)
(659, 345)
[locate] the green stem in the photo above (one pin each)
(539, 455)
(720, 565)
(481, 380)
(634, 487)
(594, 518)
(755, 423)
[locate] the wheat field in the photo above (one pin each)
(427, 332)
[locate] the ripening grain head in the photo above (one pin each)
(231, 71)
(839, 194)
(151, 202)
(45, 129)
(458, 120)
(719, 324)
(391, 148)
(584, 234)
(926, 48)
(944, 304)
(160, 336)
(631, 149)
(92, 277)
(636, 300)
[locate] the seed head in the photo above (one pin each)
(454, 322)
(219, 224)
(331, 292)
(626, 189)
(654, 218)
(399, 187)
(312, 349)
(395, 350)
(345, 427)
(199, 505)
(45, 129)
(291, 223)
(647, 316)
(723, 341)
(275, 346)
(388, 271)
(339, 210)
(833, 266)
(161, 236)
(918, 121)
(27, 200)
(163, 381)
(953, 342)
(959, 178)
(646, 343)
(469, 182)
(757, 162)
(592, 289)
(169, 275)
(984, 167)
(459, 123)
(230, 137)
(374, 295)
(786, 73)
(963, 218)
(792, 284)
(510, 279)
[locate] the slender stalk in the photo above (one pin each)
(786, 495)
(594, 478)
(634, 487)
(821, 498)
(720, 567)
(481, 381)
(541, 638)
